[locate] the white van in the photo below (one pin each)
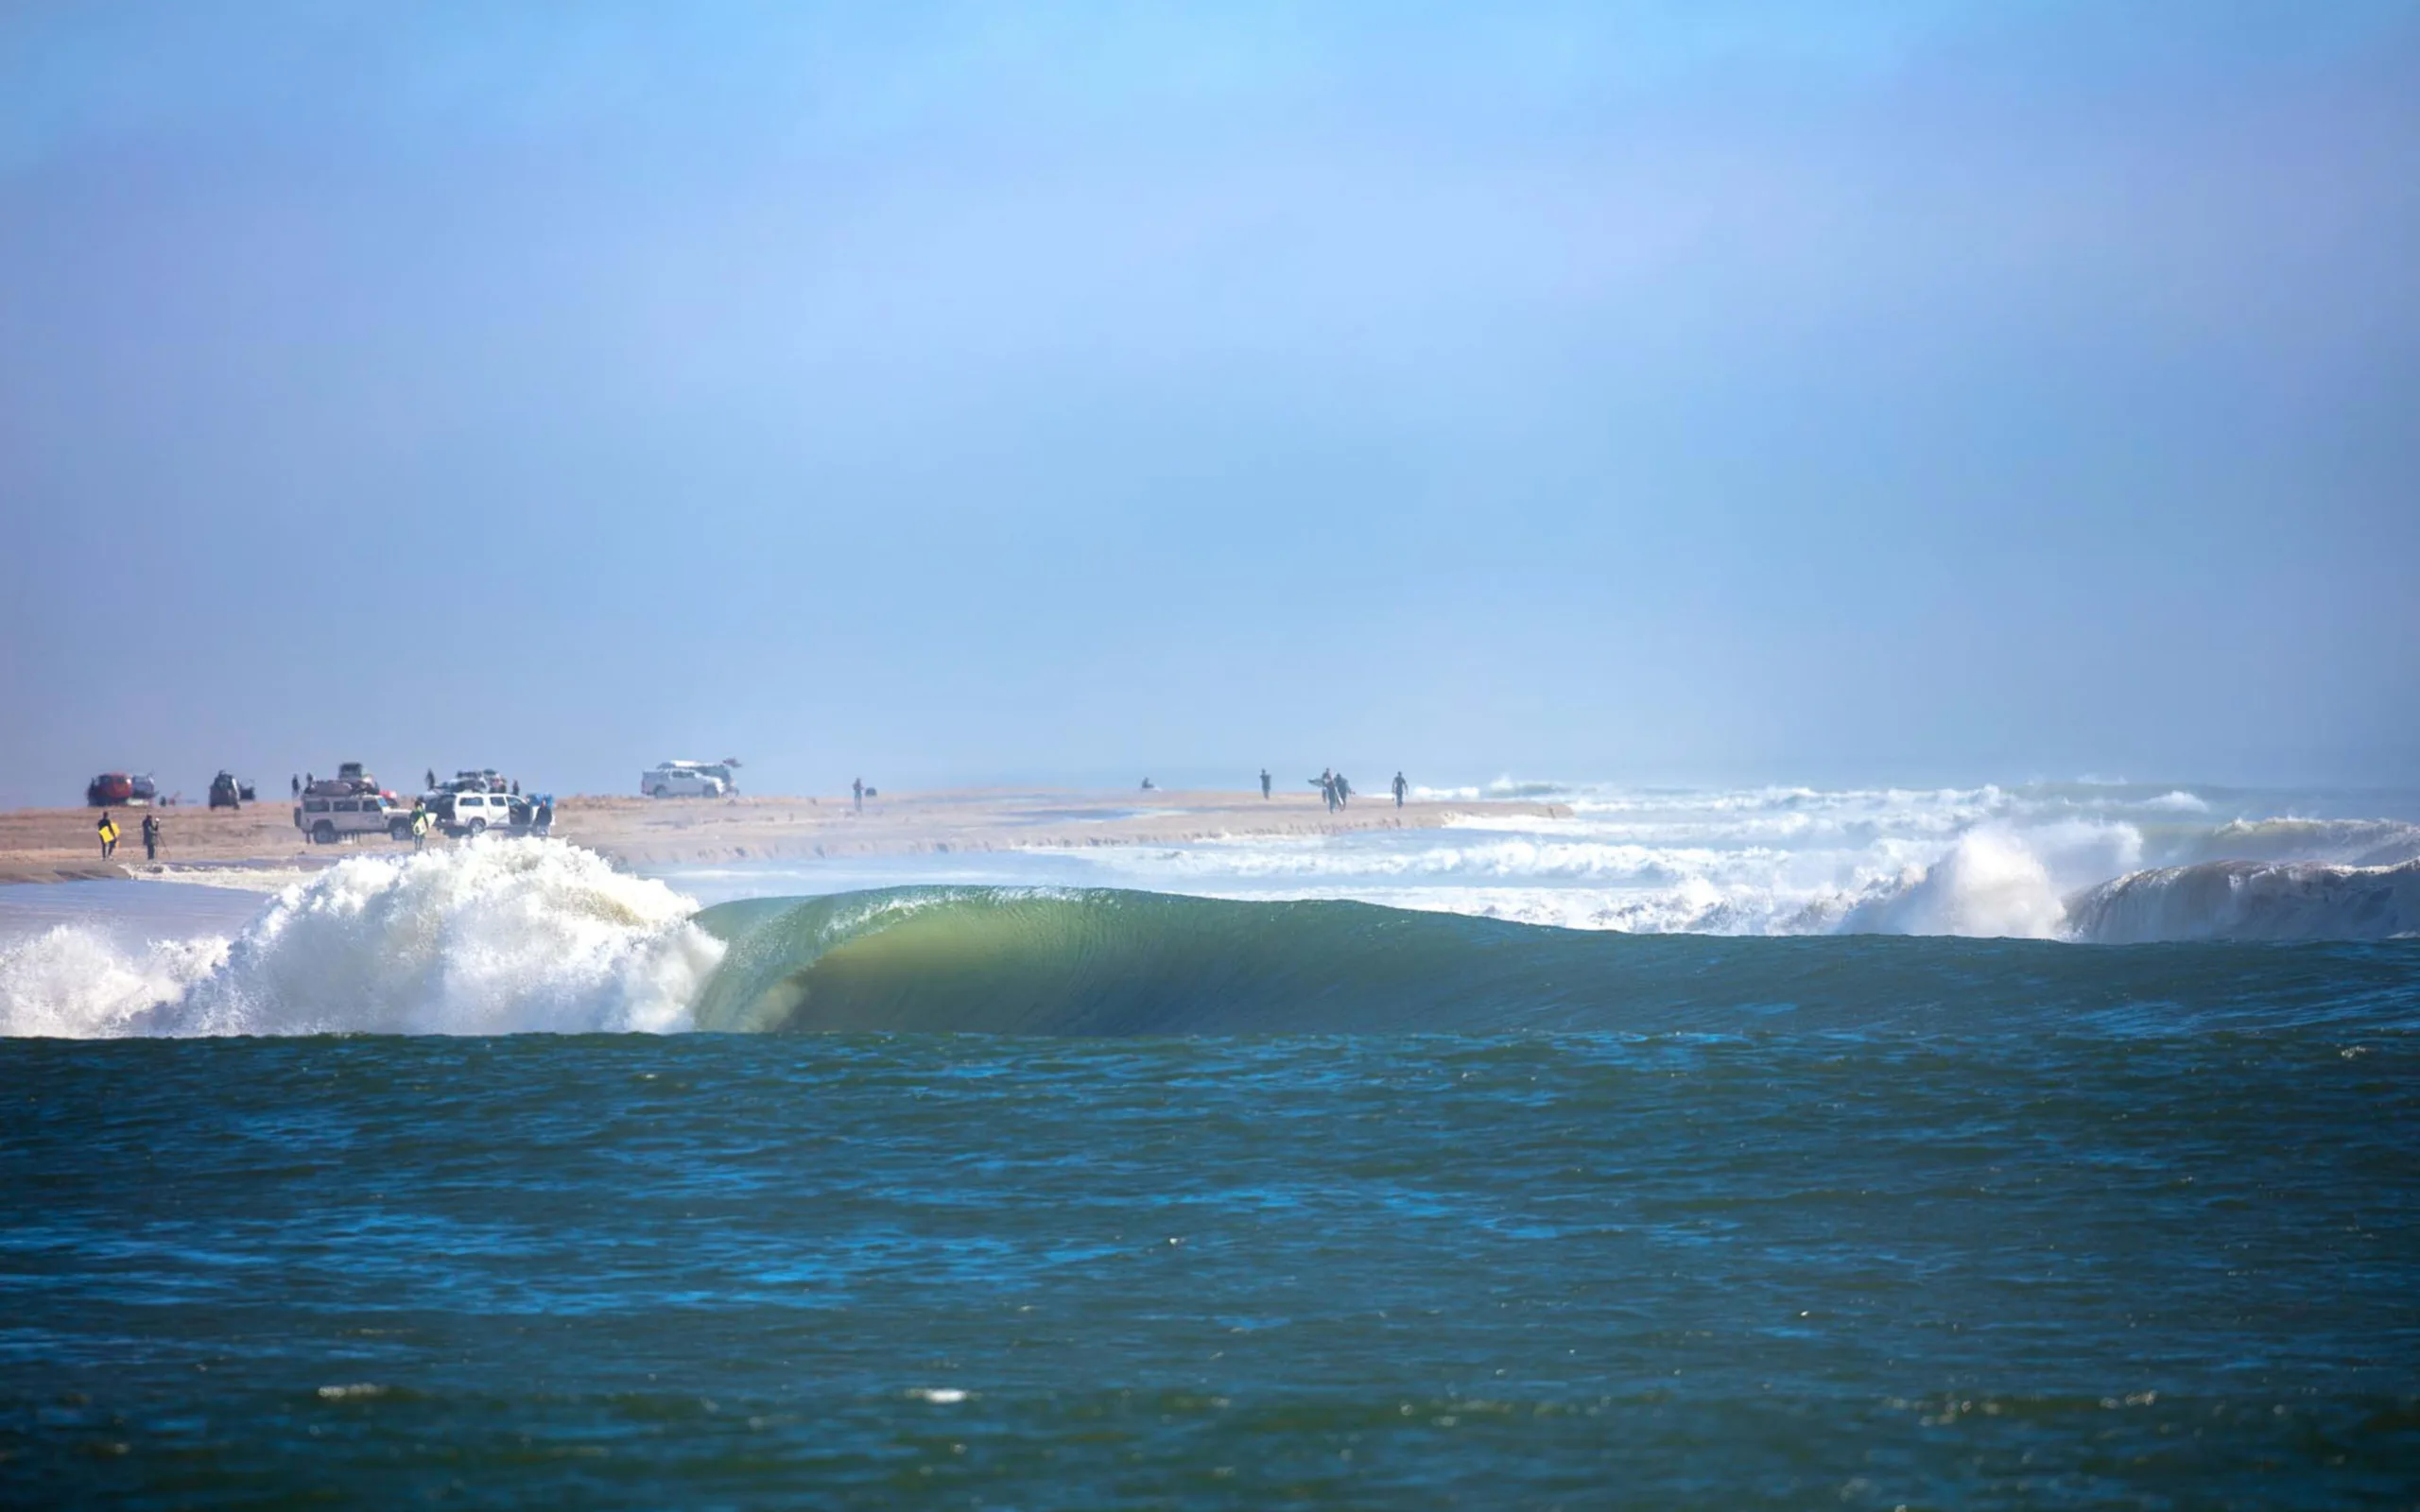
(686, 779)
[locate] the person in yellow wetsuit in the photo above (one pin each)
(107, 828)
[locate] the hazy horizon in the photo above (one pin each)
(1925, 393)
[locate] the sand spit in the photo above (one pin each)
(258, 848)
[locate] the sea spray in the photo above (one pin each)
(496, 936)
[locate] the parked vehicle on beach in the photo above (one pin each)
(116, 789)
(688, 779)
(227, 792)
(327, 818)
(467, 813)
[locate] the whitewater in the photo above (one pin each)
(500, 937)
(491, 937)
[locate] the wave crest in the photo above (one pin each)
(2251, 900)
(491, 937)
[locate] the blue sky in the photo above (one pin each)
(1706, 392)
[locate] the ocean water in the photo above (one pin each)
(498, 1177)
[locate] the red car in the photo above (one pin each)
(110, 788)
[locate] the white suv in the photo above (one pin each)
(327, 818)
(463, 814)
(685, 779)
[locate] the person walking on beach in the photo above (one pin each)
(1400, 785)
(1343, 791)
(1264, 783)
(419, 827)
(151, 837)
(857, 791)
(107, 829)
(1325, 781)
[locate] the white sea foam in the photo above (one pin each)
(1983, 861)
(495, 936)
(2250, 900)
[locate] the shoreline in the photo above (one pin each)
(249, 848)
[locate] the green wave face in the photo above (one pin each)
(1104, 963)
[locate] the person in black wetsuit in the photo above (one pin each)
(1264, 782)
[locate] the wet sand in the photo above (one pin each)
(260, 845)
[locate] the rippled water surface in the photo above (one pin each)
(1996, 1268)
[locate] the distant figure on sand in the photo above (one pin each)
(1400, 785)
(1343, 791)
(151, 837)
(108, 832)
(297, 780)
(420, 825)
(1325, 782)
(858, 788)
(1264, 782)
(431, 775)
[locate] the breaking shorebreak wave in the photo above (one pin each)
(1089, 962)
(491, 937)
(506, 936)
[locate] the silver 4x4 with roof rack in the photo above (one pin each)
(326, 818)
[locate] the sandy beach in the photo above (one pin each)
(260, 845)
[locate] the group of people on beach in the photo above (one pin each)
(1335, 789)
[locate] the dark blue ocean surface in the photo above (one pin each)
(1996, 1263)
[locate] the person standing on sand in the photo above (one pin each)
(1264, 785)
(151, 837)
(857, 791)
(1400, 785)
(1325, 782)
(419, 827)
(431, 775)
(1343, 791)
(107, 830)
(297, 781)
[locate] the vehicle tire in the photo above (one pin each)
(478, 827)
(324, 834)
(399, 830)
(658, 790)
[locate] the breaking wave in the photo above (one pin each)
(1681, 911)
(496, 936)
(2251, 900)
(1106, 963)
